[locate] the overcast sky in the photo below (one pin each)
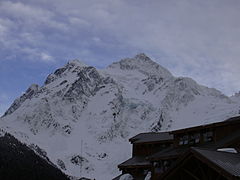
(194, 38)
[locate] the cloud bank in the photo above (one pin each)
(194, 38)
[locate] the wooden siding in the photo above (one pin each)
(218, 133)
(148, 149)
(223, 131)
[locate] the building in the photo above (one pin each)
(160, 152)
(143, 145)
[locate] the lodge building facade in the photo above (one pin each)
(209, 151)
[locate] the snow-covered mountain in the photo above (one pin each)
(82, 117)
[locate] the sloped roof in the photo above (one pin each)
(229, 162)
(151, 137)
(135, 161)
(225, 163)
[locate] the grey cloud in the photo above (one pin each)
(192, 38)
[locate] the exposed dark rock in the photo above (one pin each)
(67, 129)
(19, 162)
(88, 83)
(61, 164)
(77, 160)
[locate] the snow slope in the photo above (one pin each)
(82, 117)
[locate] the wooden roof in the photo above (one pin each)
(151, 137)
(136, 161)
(225, 163)
(229, 162)
(232, 120)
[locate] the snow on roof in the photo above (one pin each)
(135, 161)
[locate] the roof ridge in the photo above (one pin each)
(212, 150)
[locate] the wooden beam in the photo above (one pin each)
(191, 174)
(203, 172)
(210, 164)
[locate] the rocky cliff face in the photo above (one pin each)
(82, 117)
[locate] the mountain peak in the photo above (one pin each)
(143, 64)
(71, 67)
(77, 62)
(142, 56)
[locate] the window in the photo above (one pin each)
(166, 165)
(181, 141)
(197, 138)
(158, 167)
(191, 139)
(208, 136)
(156, 164)
(185, 139)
